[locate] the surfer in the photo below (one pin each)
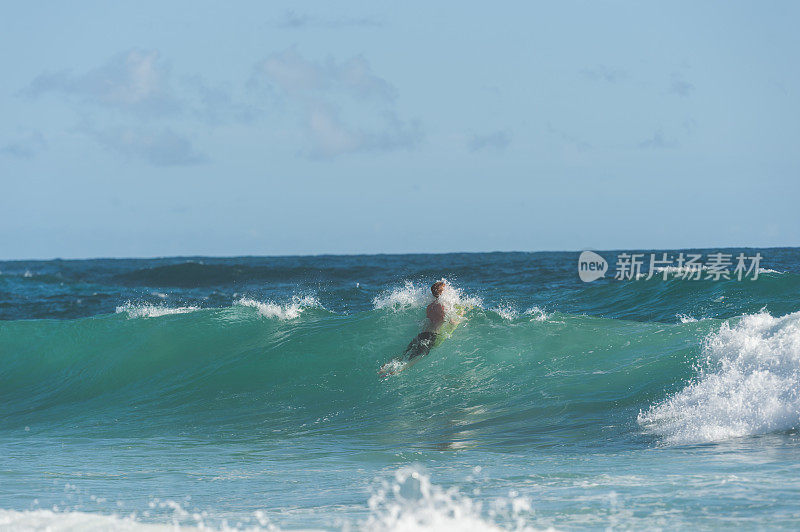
(435, 312)
(439, 325)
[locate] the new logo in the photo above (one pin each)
(591, 266)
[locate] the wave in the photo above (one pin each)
(748, 384)
(409, 295)
(410, 501)
(685, 318)
(288, 311)
(13, 520)
(144, 310)
(415, 295)
(210, 272)
(308, 370)
(262, 368)
(510, 313)
(268, 309)
(405, 501)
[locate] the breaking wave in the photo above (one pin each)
(748, 384)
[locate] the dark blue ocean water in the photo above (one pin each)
(243, 392)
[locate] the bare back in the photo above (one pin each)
(436, 315)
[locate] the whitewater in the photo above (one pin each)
(243, 394)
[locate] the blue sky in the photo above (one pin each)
(183, 128)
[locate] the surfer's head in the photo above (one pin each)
(437, 288)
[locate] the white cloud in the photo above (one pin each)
(215, 104)
(680, 86)
(295, 75)
(135, 81)
(293, 20)
(657, 141)
(497, 141)
(25, 146)
(330, 137)
(343, 105)
(138, 84)
(604, 73)
(158, 147)
(579, 144)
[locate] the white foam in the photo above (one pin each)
(509, 313)
(69, 521)
(685, 318)
(749, 384)
(411, 295)
(506, 311)
(410, 502)
(144, 310)
(289, 311)
(12, 521)
(536, 314)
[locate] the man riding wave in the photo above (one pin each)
(438, 315)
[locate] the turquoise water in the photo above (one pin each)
(243, 393)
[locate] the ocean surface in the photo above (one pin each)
(242, 393)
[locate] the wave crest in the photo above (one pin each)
(145, 310)
(411, 502)
(412, 295)
(289, 311)
(748, 385)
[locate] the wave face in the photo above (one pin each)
(505, 377)
(268, 369)
(252, 385)
(292, 345)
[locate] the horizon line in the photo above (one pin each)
(308, 255)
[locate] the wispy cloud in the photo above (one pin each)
(134, 81)
(680, 86)
(24, 147)
(604, 73)
(296, 75)
(579, 144)
(161, 147)
(497, 141)
(657, 141)
(343, 105)
(136, 86)
(294, 20)
(139, 83)
(216, 104)
(329, 136)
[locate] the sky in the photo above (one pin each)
(147, 129)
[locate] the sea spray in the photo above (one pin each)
(144, 310)
(748, 384)
(411, 502)
(289, 311)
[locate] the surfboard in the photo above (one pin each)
(448, 328)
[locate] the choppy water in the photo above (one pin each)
(243, 393)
